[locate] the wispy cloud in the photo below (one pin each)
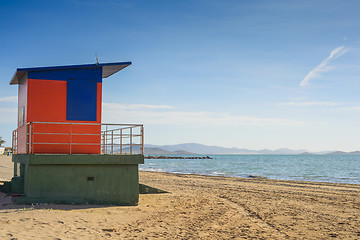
(119, 106)
(352, 108)
(323, 66)
(170, 117)
(10, 116)
(9, 99)
(305, 104)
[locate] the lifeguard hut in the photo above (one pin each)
(62, 151)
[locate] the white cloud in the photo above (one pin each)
(352, 109)
(315, 103)
(155, 116)
(8, 115)
(323, 66)
(119, 106)
(9, 99)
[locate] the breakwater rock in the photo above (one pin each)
(256, 176)
(175, 157)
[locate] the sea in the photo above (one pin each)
(317, 168)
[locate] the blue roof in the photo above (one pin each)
(108, 69)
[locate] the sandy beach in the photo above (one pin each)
(196, 207)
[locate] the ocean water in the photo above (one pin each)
(318, 168)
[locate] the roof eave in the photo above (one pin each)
(108, 69)
(18, 76)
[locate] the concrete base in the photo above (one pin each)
(17, 185)
(78, 178)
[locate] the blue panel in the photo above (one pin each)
(94, 74)
(81, 100)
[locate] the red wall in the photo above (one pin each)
(22, 102)
(45, 101)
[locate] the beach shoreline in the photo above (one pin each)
(319, 168)
(254, 177)
(197, 207)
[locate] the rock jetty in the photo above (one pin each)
(175, 157)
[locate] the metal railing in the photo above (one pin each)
(14, 142)
(105, 138)
(122, 139)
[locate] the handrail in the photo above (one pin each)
(14, 142)
(110, 138)
(97, 124)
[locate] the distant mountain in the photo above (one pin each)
(307, 153)
(196, 148)
(336, 153)
(281, 151)
(151, 151)
(204, 149)
(343, 153)
(159, 151)
(181, 152)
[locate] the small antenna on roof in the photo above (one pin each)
(97, 60)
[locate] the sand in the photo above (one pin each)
(198, 207)
(6, 168)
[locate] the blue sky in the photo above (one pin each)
(247, 74)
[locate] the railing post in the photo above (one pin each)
(131, 140)
(13, 141)
(30, 132)
(70, 137)
(106, 135)
(16, 142)
(121, 141)
(26, 139)
(112, 142)
(142, 139)
(103, 140)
